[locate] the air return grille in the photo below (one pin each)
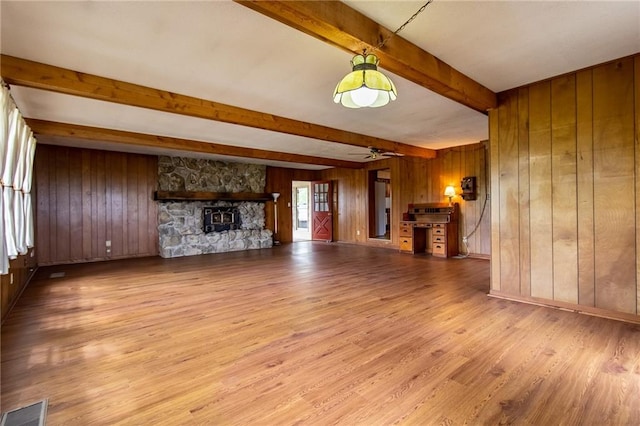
(30, 415)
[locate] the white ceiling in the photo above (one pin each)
(225, 52)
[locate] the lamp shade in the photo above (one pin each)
(450, 191)
(365, 86)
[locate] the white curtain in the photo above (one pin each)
(26, 189)
(5, 107)
(20, 233)
(7, 182)
(17, 147)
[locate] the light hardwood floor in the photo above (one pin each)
(309, 333)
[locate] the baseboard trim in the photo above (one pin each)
(570, 307)
(480, 256)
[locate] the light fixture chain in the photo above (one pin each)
(389, 37)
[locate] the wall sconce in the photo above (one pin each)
(450, 192)
(275, 196)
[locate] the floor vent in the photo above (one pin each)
(57, 275)
(31, 415)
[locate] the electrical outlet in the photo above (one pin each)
(107, 243)
(10, 278)
(358, 232)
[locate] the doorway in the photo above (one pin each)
(380, 204)
(322, 210)
(301, 213)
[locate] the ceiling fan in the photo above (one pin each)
(375, 153)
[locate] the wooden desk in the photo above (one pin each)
(430, 228)
(438, 239)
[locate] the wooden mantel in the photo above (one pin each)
(210, 196)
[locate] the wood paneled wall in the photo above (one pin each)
(413, 180)
(350, 213)
(86, 197)
(424, 181)
(566, 200)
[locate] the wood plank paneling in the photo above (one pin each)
(614, 183)
(564, 188)
(584, 135)
(5, 299)
(350, 216)
(133, 217)
(143, 206)
(100, 200)
(87, 205)
(448, 169)
(636, 85)
(540, 177)
(108, 209)
(494, 140)
(485, 187)
(584, 197)
(523, 191)
(117, 205)
(42, 214)
(476, 221)
(508, 195)
(76, 234)
(86, 197)
(63, 214)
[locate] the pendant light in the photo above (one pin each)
(365, 86)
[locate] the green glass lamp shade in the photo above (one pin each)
(365, 86)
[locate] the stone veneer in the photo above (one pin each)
(180, 222)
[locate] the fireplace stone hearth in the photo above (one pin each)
(182, 224)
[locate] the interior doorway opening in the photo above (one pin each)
(380, 204)
(301, 212)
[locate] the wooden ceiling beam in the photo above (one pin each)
(37, 75)
(336, 23)
(50, 128)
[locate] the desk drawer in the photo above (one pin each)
(406, 244)
(439, 231)
(439, 249)
(406, 231)
(439, 239)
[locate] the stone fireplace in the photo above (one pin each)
(189, 228)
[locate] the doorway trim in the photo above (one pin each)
(379, 212)
(301, 207)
